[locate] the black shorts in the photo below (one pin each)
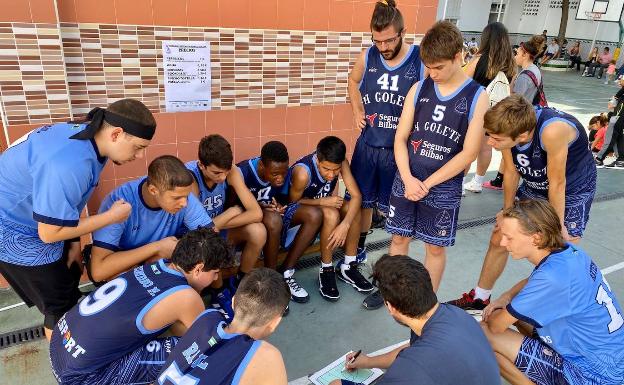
(52, 288)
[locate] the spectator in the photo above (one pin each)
(543, 50)
(614, 137)
(610, 72)
(551, 52)
(563, 52)
(473, 43)
(575, 56)
(597, 129)
(602, 62)
(593, 56)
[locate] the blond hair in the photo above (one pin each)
(538, 216)
(510, 117)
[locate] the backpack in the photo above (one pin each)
(498, 89)
(540, 97)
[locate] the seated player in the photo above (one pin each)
(265, 177)
(111, 337)
(550, 150)
(440, 131)
(162, 208)
(570, 323)
(214, 174)
(215, 353)
(446, 345)
(312, 182)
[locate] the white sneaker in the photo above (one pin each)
(297, 293)
(473, 186)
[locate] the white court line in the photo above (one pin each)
(22, 303)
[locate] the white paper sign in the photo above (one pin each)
(186, 66)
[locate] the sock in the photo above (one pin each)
(348, 259)
(323, 264)
(478, 179)
(482, 294)
(362, 239)
(289, 273)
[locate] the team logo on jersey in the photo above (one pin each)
(372, 70)
(411, 72)
(461, 107)
(371, 119)
(443, 222)
(155, 269)
(423, 100)
(416, 144)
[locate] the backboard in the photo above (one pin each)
(600, 10)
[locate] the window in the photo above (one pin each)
(531, 7)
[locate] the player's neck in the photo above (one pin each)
(417, 324)
(149, 200)
(453, 83)
(235, 327)
(208, 182)
(539, 255)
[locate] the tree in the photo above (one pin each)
(563, 24)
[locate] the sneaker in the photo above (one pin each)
(469, 302)
(599, 163)
(492, 185)
(351, 274)
(361, 256)
(297, 293)
(223, 303)
(473, 186)
(327, 284)
(618, 164)
(373, 301)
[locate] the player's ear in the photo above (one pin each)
(152, 189)
(116, 133)
(537, 240)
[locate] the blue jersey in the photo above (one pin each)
(213, 198)
(45, 177)
(531, 159)
(260, 189)
(108, 323)
(574, 311)
(317, 186)
(207, 355)
(145, 224)
(440, 126)
(383, 90)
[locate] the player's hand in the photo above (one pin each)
(338, 236)
(334, 201)
(415, 189)
(119, 211)
(74, 255)
(276, 207)
(499, 303)
(359, 363)
(566, 236)
(166, 246)
(359, 120)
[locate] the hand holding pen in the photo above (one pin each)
(350, 361)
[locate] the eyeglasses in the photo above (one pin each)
(515, 51)
(387, 41)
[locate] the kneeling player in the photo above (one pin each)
(214, 176)
(550, 150)
(215, 353)
(111, 336)
(439, 134)
(571, 323)
(265, 177)
(312, 182)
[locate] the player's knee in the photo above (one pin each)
(398, 240)
(436, 251)
(331, 215)
(256, 233)
(272, 222)
(313, 216)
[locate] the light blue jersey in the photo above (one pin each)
(213, 198)
(573, 310)
(45, 177)
(145, 224)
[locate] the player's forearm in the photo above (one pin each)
(451, 169)
(402, 158)
(556, 196)
(510, 187)
(247, 217)
(311, 202)
(354, 208)
(118, 262)
(384, 361)
(51, 233)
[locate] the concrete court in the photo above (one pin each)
(316, 333)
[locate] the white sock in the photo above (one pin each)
(348, 259)
(289, 273)
(479, 179)
(323, 264)
(482, 294)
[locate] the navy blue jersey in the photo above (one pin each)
(440, 126)
(213, 198)
(207, 355)
(260, 189)
(531, 159)
(317, 186)
(383, 90)
(108, 323)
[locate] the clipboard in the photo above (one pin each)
(333, 371)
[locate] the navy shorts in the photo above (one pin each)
(577, 207)
(288, 232)
(373, 169)
(543, 365)
(432, 220)
(141, 366)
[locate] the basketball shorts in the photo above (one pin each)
(544, 366)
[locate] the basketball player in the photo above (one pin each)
(549, 149)
(439, 133)
(378, 82)
(213, 352)
(46, 178)
(570, 323)
(312, 181)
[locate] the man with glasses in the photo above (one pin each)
(378, 83)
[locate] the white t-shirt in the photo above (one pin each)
(553, 48)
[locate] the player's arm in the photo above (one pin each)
(511, 179)
(266, 367)
(354, 191)
(382, 361)
(472, 146)
(355, 77)
(179, 310)
(555, 139)
(252, 212)
(496, 315)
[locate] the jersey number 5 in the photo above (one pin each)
(438, 113)
(103, 297)
(603, 298)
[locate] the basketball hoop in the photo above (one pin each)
(593, 16)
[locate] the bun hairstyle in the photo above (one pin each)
(386, 14)
(534, 45)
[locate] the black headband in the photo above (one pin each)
(98, 115)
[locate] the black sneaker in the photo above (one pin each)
(327, 284)
(618, 164)
(373, 301)
(351, 274)
(599, 163)
(469, 302)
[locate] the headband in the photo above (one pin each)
(98, 115)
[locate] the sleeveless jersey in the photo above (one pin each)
(440, 126)
(213, 198)
(317, 186)
(383, 90)
(530, 159)
(259, 188)
(207, 355)
(108, 323)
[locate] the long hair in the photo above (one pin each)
(537, 216)
(496, 45)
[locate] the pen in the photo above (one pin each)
(352, 360)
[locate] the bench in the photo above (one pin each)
(556, 65)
